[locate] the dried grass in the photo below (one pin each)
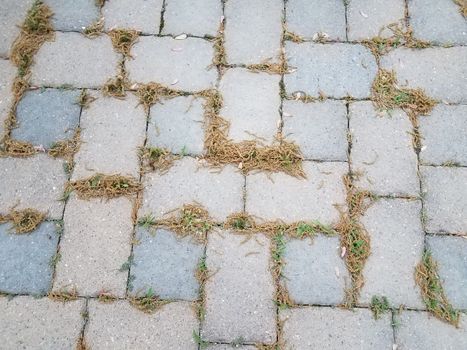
(148, 303)
(64, 295)
(123, 40)
(152, 93)
(66, 148)
(23, 221)
(95, 29)
(81, 344)
(106, 297)
(462, 7)
(156, 159)
(291, 36)
(85, 99)
(106, 186)
(220, 57)
(15, 148)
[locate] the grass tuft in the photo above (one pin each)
(152, 93)
(123, 40)
(148, 303)
(23, 221)
(379, 306)
(156, 159)
(107, 186)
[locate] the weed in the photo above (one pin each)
(23, 221)
(379, 306)
(202, 344)
(123, 40)
(107, 186)
(126, 265)
(156, 159)
(54, 260)
(240, 222)
(147, 221)
(106, 297)
(95, 29)
(278, 243)
(148, 303)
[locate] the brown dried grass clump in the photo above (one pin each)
(152, 93)
(81, 344)
(156, 159)
(220, 57)
(123, 40)
(291, 36)
(107, 186)
(66, 148)
(85, 99)
(64, 295)
(462, 7)
(148, 303)
(23, 221)
(95, 29)
(106, 297)
(15, 148)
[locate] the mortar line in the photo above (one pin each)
(346, 5)
(161, 22)
(85, 316)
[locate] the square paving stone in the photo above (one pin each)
(310, 328)
(166, 264)
(119, 325)
(141, 15)
(382, 151)
(25, 259)
(29, 323)
(445, 198)
(251, 104)
(7, 75)
(314, 272)
(337, 70)
(283, 197)
(72, 59)
(179, 64)
(73, 15)
(239, 293)
(12, 14)
(320, 129)
(178, 125)
(397, 239)
(47, 116)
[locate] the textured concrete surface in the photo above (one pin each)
(12, 13)
(73, 15)
(7, 74)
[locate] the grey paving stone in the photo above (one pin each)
(382, 151)
(247, 19)
(35, 182)
(445, 198)
(435, 70)
(179, 64)
(337, 70)
(7, 75)
(25, 259)
(118, 325)
(73, 15)
(12, 14)
(320, 129)
(71, 60)
(230, 347)
(451, 255)
(141, 15)
(189, 182)
(29, 323)
(177, 125)
(47, 116)
(439, 21)
(444, 135)
(251, 104)
(309, 17)
(314, 272)
(397, 239)
(239, 296)
(280, 196)
(179, 18)
(95, 244)
(329, 328)
(112, 132)
(166, 264)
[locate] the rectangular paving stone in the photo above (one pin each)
(320, 129)
(382, 151)
(166, 264)
(95, 244)
(445, 199)
(30, 323)
(141, 15)
(12, 15)
(188, 182)
(337, 70)
(7, 75)
(35, 182)
(230, 347)
(112, 132)
(283, 197)
(118, 325)
(239, 295)
(310, 328)
(179, 64)
(397, 240)
(314, 272)
(25, 259)
(73, 15)
(247, 19)
(436, 70)
(71, 60)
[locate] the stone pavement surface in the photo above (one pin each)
(195, 249)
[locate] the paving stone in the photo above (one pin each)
(239, 296)
(47, 116)
(118, 325)
(314, 272)
(445, 198)
(281, 196)
(180, 64)
(444, 135)
(95, 244)
(329, 328)
(382, 151)
(179, 18)
(337, 70)
(247, 19)
(12, 14)
(35, 182)
(397, 239)
(188, 182)
(29, 323)
(112, 132)
(435, 70)
(141, 15)
(451, 255)
(166, 264)
(73, 15)
(71, 60)
(320, 129)
(25, 259)
(309, 17)
(230, 347)
(177, 125)
(439, 21)
(7, 75)
(251, 104)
